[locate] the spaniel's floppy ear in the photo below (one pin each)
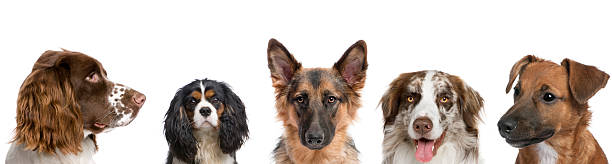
(281, 63)
(470, 104)
(518, 67)
(48, 115)
(178, 130)
(584, 80)
(233, 130)
(353, 65)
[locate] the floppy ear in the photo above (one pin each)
(233, 130)
(518, 67)
(353, 65)
(584, 80)
(178, 130)
(48, 115)
(470, 104)
(391, 100)
(281, 63)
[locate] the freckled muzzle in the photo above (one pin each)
(125, 103)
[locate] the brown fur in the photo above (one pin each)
(573, 84)
(344, 80)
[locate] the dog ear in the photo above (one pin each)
(48, 115)
(233, 130)
(584, 80)
(353, 65)
(518, 67)
(391, 100)
(281, 63)
(178, 130)
(470, 103)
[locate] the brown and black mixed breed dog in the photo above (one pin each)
(316, 105)
(550, 115)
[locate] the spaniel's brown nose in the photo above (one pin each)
(139, 99)
(422, 125)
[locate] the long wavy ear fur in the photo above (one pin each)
(48, 115)
(470, 103)
(178, 130)
(233, 130)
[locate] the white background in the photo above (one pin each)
(157, 47)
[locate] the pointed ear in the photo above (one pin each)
(48, 115)
(353, 64)
(281, 63)
(518, 67)
(584, 80)
(470, 104)
(233, 130)
(178, 130)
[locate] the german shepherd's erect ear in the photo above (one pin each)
(281, 63)
(353, 64)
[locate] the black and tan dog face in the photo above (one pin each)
(316, 102)
(548, 98)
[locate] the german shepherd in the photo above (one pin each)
(316, 105)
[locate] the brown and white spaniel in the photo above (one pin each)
(64, 102)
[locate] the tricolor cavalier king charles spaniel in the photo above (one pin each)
(64, 102)
(206, 123)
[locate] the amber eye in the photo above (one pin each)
(331, 99)
(93, 77)
(300, 99)
(410, 99)
(443, 100)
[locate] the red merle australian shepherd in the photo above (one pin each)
(316, 105)
(430, 117)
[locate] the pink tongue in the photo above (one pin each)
(424, 152)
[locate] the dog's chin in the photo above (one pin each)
(522, 143)
(426, 149)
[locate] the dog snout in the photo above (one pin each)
(139, 99)
(506, 126)
(422, 125)
(205, 111)
(315, 138)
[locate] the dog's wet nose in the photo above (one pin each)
(139, 99)
(506, 126)
(422, 125)
(315, 138)
(205, 111)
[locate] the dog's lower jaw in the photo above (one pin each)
(341, 150)
(568, 146)
(208, 147)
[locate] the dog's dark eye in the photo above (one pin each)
(215, 100)
(517, 91)
(193, 101)
(548, 97)
(331, 99)
(92, 77)
(300, 99)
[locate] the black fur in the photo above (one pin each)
(233, 129)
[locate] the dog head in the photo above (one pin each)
(426, 106)
(548, 98)
(67, 93)
(317, 102)
(205, 106)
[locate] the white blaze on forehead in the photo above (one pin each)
(115, 98)
(198, 119)
(426, 107)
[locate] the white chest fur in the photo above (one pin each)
(546, 153)
(208, 148)
(17, 155)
